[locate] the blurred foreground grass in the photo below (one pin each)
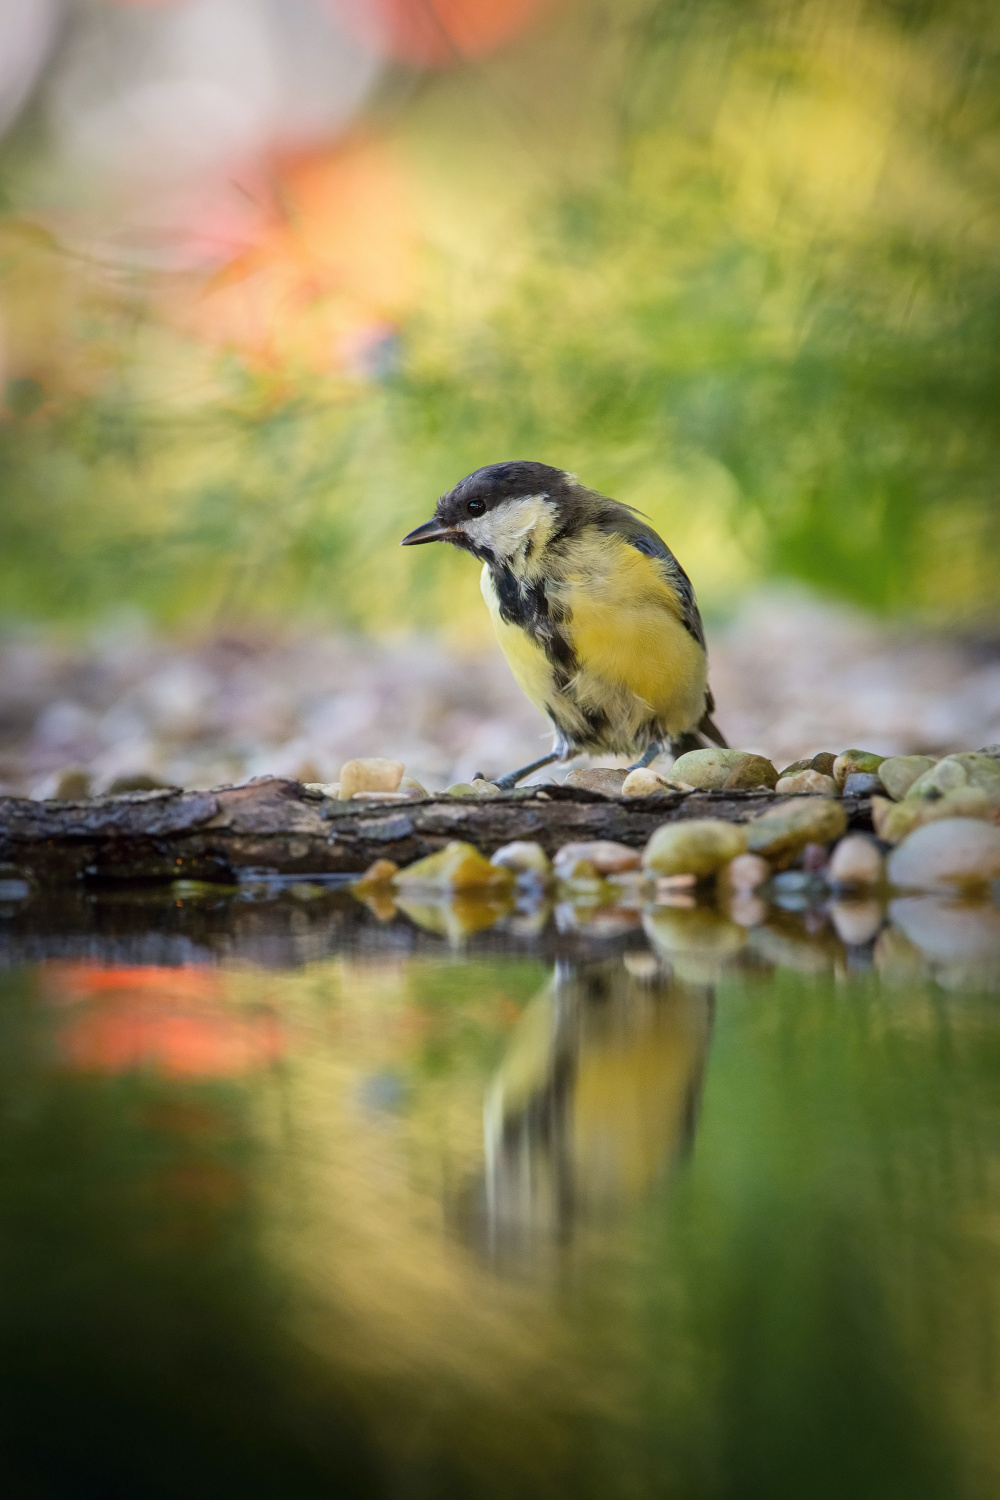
(735, 262)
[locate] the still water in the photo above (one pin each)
(300, 1197)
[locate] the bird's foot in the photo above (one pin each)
(652, 751)
(509, 782)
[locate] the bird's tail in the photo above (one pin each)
(693, 739)
(706, 726)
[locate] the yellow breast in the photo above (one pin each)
(637, 664)
(626, 628)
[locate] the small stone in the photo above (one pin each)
(325, 788)
(579, 872)
(862, 784)
(807, 781)
(750, 774)
(456, 867)
(645, 783)
(379, 873)
(855, 760)
(954, 854)
(372, 774)
(524, 858)
(411, 785)
(957, 773)
(713, 770)
(478, 788)
(607, 857)
(893, 821)
(700, 846)
(855, 861)
(780, 833)
(856, 922)
(73, 784)
(140, 781)
(993, 751)
(897, 773)
(607, 780)
(745, 873)
(823, 763)
(814, 859)
(667, 883)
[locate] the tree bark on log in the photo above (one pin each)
(277, 827)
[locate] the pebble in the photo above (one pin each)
(139, 781)
(645, 783)
(379, 873)
(372, 774)
(745, 873)
(823, 763)
(607, 857)
(954, 854)
(814, 858)
(862, 784)
(325, 788)
(894, 821)
(855, 861)
(580, 873)
(993, 751)
(782, 832)
(605, 779)
(898, 773)
(524, 858)
(856, 922)
(73, 785)
(700, 846)
(716, 770)
(456, 867)
(955, 773)
(807, 781)
(850, 761)
(477, 788)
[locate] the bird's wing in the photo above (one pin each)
(640, 535)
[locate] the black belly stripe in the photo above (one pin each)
(527, 606)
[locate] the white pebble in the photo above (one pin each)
(855, 861)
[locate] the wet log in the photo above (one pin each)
(276, 827)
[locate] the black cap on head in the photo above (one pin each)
(495, 483)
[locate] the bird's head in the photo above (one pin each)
(500, 512)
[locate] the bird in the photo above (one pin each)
(595, 615)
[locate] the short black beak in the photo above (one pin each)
(430, 531)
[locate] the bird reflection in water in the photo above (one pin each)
(595, 1100)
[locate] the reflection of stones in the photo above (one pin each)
(700, 943)
(856, 922)
(597, 1096)
(949, 932)
(787, 942)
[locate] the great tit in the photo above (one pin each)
(595, 615)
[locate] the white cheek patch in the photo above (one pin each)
(505, 530)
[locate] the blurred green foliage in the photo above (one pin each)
(734, 262)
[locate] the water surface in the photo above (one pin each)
(302, 1197)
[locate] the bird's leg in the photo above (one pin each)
(508, 782)
(652, 751)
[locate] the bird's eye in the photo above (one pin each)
(476, 507)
